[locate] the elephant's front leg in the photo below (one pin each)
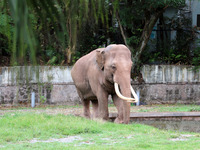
(102, 97)
(119, 105)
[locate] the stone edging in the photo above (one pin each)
(157, 115)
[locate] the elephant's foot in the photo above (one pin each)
(103, 116)
(118, 120)
(94, 115)
(86, 116)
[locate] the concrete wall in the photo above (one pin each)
(170, 84)
(54, 85)
(170, 74)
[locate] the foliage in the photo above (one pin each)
(43, 99)
(88, 39)
(46, 31)
(6, 30)
(61, 31)
(178, 50)
(134, 24)
(136, 29)
(196, 58)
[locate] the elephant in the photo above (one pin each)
(103, 72)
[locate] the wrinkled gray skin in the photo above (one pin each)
(94, 75)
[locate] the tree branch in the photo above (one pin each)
(121, 29)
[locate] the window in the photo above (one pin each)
(198, 20)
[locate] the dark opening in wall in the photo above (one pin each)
(198, 20)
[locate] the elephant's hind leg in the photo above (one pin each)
(86, 108)
(94, 108)
(86, 105)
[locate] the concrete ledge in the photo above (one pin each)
(161, 115)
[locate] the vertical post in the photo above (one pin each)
(138, 95)
(33, 99)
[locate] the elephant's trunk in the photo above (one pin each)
(126, 93)
(123, 90)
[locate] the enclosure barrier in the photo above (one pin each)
(54, 85)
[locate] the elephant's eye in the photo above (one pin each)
(113, 67)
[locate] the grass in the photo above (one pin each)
(18, 129)
(170, 108)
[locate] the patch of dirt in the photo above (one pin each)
(68, 139)
(50, 111)
(1, 146)
(183, 137)
(85, 142)
(53, 110)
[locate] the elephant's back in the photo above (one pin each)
(83, 62)
(80, 68)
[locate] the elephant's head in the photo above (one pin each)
(115, 62)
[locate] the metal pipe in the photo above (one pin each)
(33, 99)
(138, 95)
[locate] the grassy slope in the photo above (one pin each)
(19, 128)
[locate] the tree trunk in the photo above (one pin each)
(150, 21)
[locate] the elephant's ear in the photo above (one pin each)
(100, 58)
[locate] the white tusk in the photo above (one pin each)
(134, 95)
(121, 96)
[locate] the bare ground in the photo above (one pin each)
(77, 111)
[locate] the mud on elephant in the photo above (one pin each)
(104, 72)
